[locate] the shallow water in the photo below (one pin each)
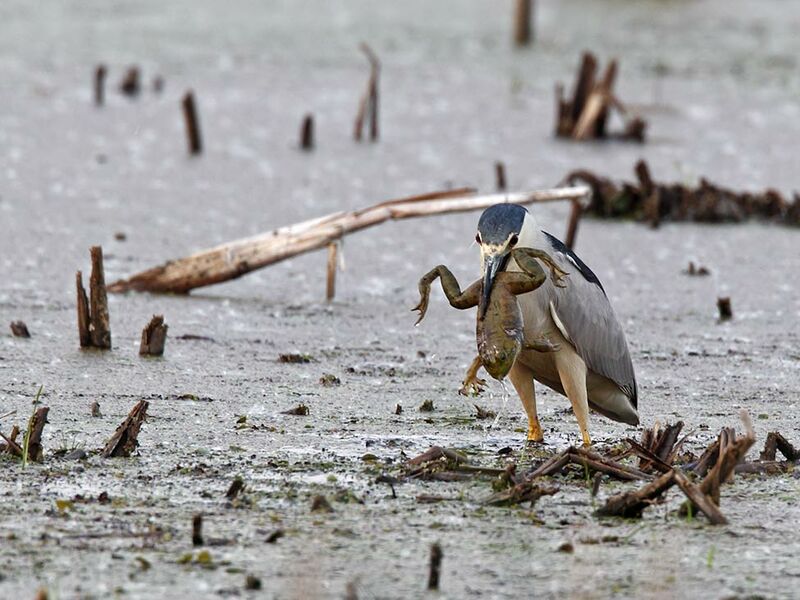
(716, 80)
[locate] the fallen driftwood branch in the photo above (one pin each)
(94, 330)
(586, 114)
(124, 441)
(154, 336)
(654, 202)
(368, 106)
(526, 491)
(234, 259)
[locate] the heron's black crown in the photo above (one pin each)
(500, 221)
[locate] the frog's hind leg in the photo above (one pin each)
(542, 345)
(472, 385)
(522, 379)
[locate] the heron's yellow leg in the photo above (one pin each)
(522, 379)
(572, 372)
(472, 385)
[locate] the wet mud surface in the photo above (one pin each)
(455, 99)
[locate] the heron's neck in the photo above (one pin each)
(530, 236)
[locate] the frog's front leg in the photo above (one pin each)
(542, 345)
(526, 260)
(458, 299)
(472, 385)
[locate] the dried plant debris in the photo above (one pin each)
(654, 202)
(20, 329)
(427, 406)
(482, 413)
(585, 116)
(696, 270)
(329, 380)
(320, 504)
(301, 410)
(125, 438)
(295, 358)
(154, 336)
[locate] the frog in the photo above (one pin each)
(499, 324)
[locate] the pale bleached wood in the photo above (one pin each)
(234, 259)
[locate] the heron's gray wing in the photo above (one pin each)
(583, 311)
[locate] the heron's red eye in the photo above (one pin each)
(513, 241)
(478, 238)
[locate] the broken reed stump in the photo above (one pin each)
(585, 116)
(192, 124)
(197, 530)
(307, 133)
(20, 329)
(648, 200)
(330, 288)
(124, 441)
(724, 307)
(500, 176)
(435, 567)
(11, 446)
(777, 443)
(94, 330)
(99, 84)
(34, 434)
(154, 336)
(523, 12)
(368, 105)
(239, 257)
(572, 226)
(130, 85)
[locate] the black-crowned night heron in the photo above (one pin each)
(592, 365)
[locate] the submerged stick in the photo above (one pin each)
(234, 259)
(94, 329)
(20, 329)
(154, 336)
(124, 441)
(500, 176)
(572, 227)
(99, 84)
(331, 279)
(197, 530)
(435, 567)
(725, 310)
(522, 22)
(307, 133)
(36, 427)
(192, 124)
(368, 105)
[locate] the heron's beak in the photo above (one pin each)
(493, 263)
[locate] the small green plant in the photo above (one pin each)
(710, 557)
(26, 440)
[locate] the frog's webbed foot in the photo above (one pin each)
(542, 345)
(472, 384)
(422, 307)
(557, 274)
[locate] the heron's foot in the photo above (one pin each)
(535, 433)
(543, 345)
(587, 441)
(472, 384)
